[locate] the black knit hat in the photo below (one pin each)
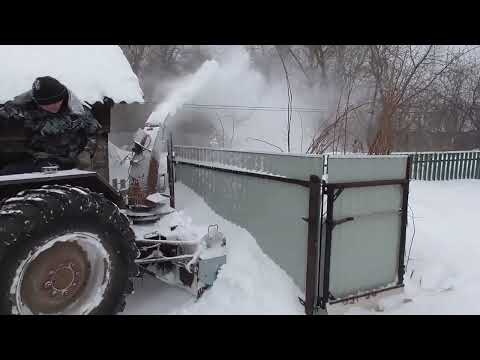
(47, 90)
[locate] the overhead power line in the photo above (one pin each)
(245, 107)
(252, 108)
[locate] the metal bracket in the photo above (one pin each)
(337, 193)
(212, 226)
(341, 221)
(321, 306)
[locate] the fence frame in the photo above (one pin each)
(331, 191)
(318, 273)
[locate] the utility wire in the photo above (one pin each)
(248, 107)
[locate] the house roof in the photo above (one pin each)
(90, 71)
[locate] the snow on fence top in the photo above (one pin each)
(90, 71)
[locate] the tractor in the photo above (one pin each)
(70, 243)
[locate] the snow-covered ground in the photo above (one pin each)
(442, 275)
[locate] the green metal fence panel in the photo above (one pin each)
(442, 167)
(460, 165)
(414, 166)
(446, 161)
(467, 165)
(452, 166)
(424, 166)
(471, 165)
(449, 165)
(435, 166)
(365, 251)
(429, 165)
(456, 159)
(439, 166)
(270, 210)
(477, 167)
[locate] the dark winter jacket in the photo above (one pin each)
(63, 135)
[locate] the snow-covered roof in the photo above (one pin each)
(90, 71)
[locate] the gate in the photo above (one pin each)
(362, 235)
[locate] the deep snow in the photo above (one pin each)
(442, 275)
(250, 282)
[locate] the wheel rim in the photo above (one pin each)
(68, 275)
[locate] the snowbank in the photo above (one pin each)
(90, 71)
(250, 282)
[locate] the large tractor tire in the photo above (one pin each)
(64, 250)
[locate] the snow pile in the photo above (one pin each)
(250, 282)
(443, 273)
(90, 71)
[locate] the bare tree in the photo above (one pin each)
(402, 73)
(137, 55)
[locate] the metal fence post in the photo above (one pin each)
(171, 171)
(312, 245)
(403, 230)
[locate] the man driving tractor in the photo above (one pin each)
(59, 130)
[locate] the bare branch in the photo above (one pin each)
(266, 142)
(299, 63)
